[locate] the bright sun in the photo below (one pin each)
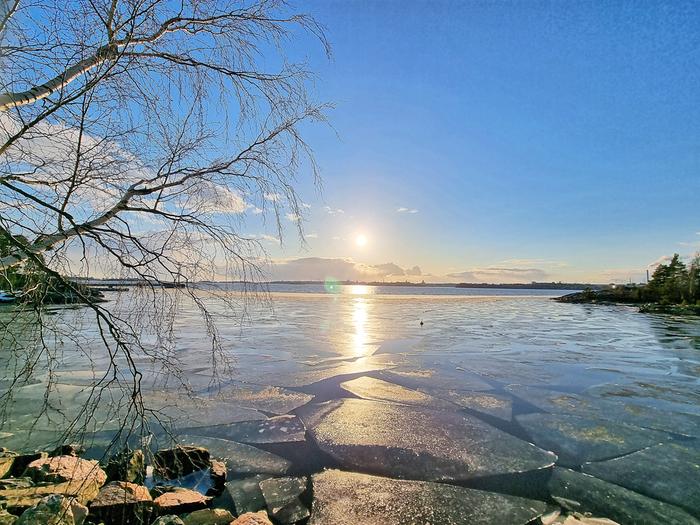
(361, 240)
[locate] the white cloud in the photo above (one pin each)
(305, 205)
(343, 269)
(272, 197)
(500, 275)
(333, 211)
(293, 217)
(312, 236)
(406, 210)
(214, 198)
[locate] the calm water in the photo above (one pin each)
(590, 383)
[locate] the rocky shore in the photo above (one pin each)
(627, 296)
(186, 485)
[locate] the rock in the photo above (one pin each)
(280, 429)
(15, 483)
(53, 510)
(66, 468)
(217, 473)
(7, 459)
(208, 517)
(240, 458)
(180, 500)
(577, 440)
(21, 462)
(6, 518)
(244, 495)
(589, 494)
(22, 498)
(180, 461)
(68, 450)
(416, 442)
(127, 465)
(668, 472)
(345, 498)
(580, 519)
(282, 498)
(123, 503)
(252, 518)
(168, 520)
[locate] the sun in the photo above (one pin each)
(361, 240)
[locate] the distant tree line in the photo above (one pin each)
(675, 283)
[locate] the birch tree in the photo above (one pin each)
(136, 136)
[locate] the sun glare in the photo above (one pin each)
(361, 240)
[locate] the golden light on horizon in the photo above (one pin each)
(361, 240)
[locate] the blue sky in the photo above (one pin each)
(555, 141)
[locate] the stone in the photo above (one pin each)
(578, 440)
(209, 517)
(416, 442)
(668, 472)
(169, 520)
(217, 473)
(122, 502)
(252, 518)
(21, 462)
(53, 510)
(6, 518)
(127, 465)
(7, 459)
(16, 483)
(585, 493)
(346, 498)
(580, 519)
(179, 500)
(240, 458)
(282, 498)
(65, 468)
(22, 498)
(279, 429)
(244, 495)
(68, 450)
(180, 461)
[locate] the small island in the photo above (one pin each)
(674, 288)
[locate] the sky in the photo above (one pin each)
(500, 142)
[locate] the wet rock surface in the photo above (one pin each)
(581, 492)
(578, 440)
(208, 517)
(668, 472)
(417, 443)
(345, 498)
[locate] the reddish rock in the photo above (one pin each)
(66, 468)
(217, 472)
(180, 500)
(252, 518)
(122, 502)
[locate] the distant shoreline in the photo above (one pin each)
(507, 286)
